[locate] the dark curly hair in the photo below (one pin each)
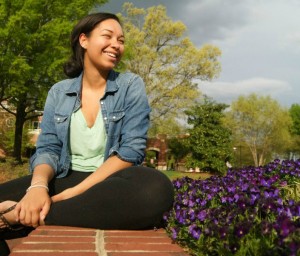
(74, 66)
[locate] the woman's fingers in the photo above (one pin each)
(17, 212)
(45, 211)
(22, 215)
(55, 198)
(33, 208)
(35, 219)
(30, 216)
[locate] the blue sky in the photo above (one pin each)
(259, 40)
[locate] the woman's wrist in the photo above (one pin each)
(37, 186)
(42, 182)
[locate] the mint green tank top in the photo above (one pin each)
(86, 145)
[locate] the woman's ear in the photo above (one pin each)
(83, 40)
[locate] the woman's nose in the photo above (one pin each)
(115, 43)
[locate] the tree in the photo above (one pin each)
(178, 149)
(262, 124)
(209, 142)
(295, 130)
(295, 115)
(34, 42)
(168, 62)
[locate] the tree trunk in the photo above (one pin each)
(262, 154)
(261, 159)
(254, 155)
(20, 120)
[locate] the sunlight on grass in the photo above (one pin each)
(173, 175)
(9, 170)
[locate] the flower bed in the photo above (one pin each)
(250, 211)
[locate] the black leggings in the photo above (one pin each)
(133, 198)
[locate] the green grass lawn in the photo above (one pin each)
(9, 171)
(194, 175)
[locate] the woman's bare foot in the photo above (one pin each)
(9, 216)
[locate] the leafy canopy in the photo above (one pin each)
(209, 141)
(295, 131)
(34, 43)
(295, 115)
(158, 50)
(261, 123)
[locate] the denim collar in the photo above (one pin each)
(111, 84)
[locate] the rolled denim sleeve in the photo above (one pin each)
(48, 147)
(131, 147)
(44, 158)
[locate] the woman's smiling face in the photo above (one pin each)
(104, 46)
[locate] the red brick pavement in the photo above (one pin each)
(57, 240)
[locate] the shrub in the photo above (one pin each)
(250, 211)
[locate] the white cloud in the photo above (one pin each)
(259, 40)
(211, 20)
(226, 92)
(292, 39)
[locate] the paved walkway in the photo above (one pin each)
(57, 240)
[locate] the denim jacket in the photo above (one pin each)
(125, 111)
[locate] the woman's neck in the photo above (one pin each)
(94, 79)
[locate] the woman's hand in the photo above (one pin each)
(33, 208)
(66, 194)
(110, 166)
